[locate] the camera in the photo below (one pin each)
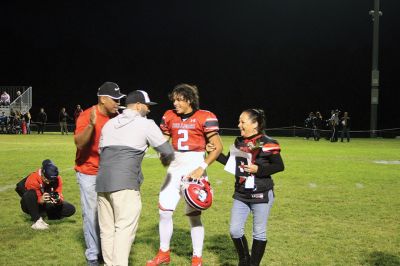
(54, 196)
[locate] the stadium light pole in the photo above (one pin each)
(375, 14)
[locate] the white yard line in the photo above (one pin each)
(6, 187)
(12, 186)
(387, 162)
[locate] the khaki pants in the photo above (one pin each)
(119, 214)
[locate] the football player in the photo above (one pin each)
(189, 129)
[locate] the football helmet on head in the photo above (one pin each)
(197, 193)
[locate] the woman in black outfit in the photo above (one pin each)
(254, 185)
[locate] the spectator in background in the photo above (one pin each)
(334, 124)
(63, 119)
(5, 98)
(12, 112)
(41, 121)
(18, 101)
(345, 123)
(41, 193)
(318, 125)
(17, 123)
(23, 125)
(3, 123)
(309, 124)
(28, 119)
(77, 112)
(87, 136)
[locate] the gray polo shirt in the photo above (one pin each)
(123, 142)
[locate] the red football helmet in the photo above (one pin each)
(197, 193)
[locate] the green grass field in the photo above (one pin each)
(334, 206)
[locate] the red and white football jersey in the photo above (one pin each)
(189, 134)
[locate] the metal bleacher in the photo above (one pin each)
(21, 103)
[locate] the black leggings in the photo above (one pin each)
(30, 206)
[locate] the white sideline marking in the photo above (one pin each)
(218, 182)
(387, 162)
(312, 185)
(359, 185)
(6, 187)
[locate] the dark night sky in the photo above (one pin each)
(288, 56)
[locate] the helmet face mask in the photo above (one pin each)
(197, 193)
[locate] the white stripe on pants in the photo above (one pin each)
(119, 214)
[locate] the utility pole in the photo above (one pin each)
(375, 14)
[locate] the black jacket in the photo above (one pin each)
(42, 117)
(63, 116)
(266, 155)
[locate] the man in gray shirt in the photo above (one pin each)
(123, 143)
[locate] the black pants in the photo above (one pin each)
(334, 134)
(317, 134)
(309, 132)
(345, 132)
(40, 128)
(30, 206)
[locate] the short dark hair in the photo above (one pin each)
(188, 92)
(257, 115)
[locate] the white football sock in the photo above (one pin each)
(197, 233)
(166, 227)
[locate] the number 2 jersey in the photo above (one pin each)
(189, 134)
(189, 141)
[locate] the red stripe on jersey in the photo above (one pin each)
(271, 147)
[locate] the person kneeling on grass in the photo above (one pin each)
(41, 195)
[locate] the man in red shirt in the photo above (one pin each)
(41, 192)
(87, 136)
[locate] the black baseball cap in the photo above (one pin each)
(139, 96)
(49, 170)
(111, 90)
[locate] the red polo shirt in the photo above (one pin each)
(87, 159)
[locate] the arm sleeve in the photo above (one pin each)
(164, 124)
(31, 183)
(166, 153)
(273, 165)
(210, 123)
(156, 139)
(222, 158)
(154, 135)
